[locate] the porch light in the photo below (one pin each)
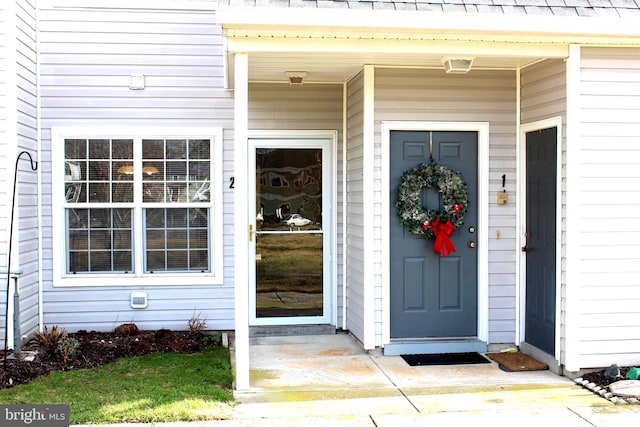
(296, 77)
(457, 65)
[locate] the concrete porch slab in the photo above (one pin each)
(405, 376)
(331, 380)
(322, 362)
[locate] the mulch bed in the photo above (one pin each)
(598, 383)
(96, 349)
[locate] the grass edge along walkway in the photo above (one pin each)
(159, 387)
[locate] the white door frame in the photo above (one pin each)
(326, 140)
(483, 215)
(522, 225)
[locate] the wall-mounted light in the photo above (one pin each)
(457, 65)
(296, 77)
(136, 82)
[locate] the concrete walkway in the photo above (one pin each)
(329, 380)
(323, 381)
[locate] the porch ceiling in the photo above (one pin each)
(332, 45)
(340, 67)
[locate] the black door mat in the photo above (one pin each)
(444, 359)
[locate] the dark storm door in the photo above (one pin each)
(540, 249)
(434, 296)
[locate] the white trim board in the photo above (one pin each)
(483, 216)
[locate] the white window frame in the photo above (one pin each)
(138, 277)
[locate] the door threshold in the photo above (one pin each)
(543, 356)
(290, 330)
(401, 346)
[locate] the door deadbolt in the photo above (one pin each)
(472, 229)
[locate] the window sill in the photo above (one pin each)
(129, 280)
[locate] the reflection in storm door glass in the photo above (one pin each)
(289, 241)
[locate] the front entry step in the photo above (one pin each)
(290, 330)
(417, 346)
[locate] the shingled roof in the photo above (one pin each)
(584, 8)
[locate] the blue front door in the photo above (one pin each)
(434, 296)
(541, 176)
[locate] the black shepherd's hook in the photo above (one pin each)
(34, 167)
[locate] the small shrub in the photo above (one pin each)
(197, 323)
(69, 348)
(213, 340)
(48, 340)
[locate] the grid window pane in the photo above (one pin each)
(199, 260)
(79, 261)
(95, 170)
(199, 149)
(177, 261)
(102, 172)
(99, 240)
(153, 149)
(174, 243)
(184, 170)
(99, 149)
(122, 260)
(122, 149)
(156, 261)
(176, 149)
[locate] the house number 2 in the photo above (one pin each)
(232, 182)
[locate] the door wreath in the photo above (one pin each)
(433, 223)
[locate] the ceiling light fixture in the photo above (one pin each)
(457, 65)
(296, 77)
(126, 170)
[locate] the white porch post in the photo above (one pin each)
(241, 225)
(572, 275)
(368, 208)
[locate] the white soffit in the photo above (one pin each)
(334, 44)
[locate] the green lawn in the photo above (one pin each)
(159, 387)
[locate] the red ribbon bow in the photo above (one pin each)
(442, 231)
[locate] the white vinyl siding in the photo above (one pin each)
(480, 96)
(87, 58)
(544, 96)
(27, 199)
(18, 114)
(307, 107)
(138, 4)
(355, 215)
(5, 96)
(609, 205)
